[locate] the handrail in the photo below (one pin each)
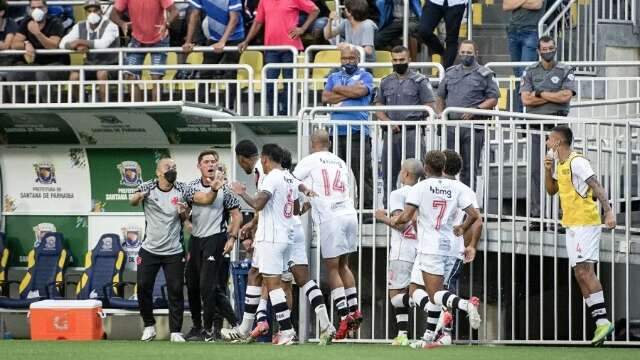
(264, 80)
(544, 119)
(324, 109)
(592, 103)
(405, 24)
(151, 49)
(511, 64)
(548, 14)
(315, 48)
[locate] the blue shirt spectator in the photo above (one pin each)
(350, 86)
(217, 19)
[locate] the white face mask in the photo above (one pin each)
(37, 14)
(94, 18)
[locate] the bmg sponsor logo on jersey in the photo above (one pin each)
(440, 191)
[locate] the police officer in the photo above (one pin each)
(546, 88)
(468, 85)
(402, 87)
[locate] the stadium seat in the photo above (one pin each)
(4, 261)
(319, 74)
(159, 295)
(45, 273)
(331, 5)
(103, 266)
(382, 57)
(255, 59)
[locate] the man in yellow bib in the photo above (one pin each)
(578, 187)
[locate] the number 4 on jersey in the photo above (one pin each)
(338, 185)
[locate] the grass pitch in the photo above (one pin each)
(156, 350)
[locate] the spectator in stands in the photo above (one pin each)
(8, 29)
(522, 33)
(353, 86)
(391, 23)
(316, 30)
(356, 29)
(38, 31)
(467, 85)
(65, 14)
(402, 87)
(280, 20)
(150, 28)
(546, 88)
(97, 32)
(222, 26)
(178, 34)
(452, 11)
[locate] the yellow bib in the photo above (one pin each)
(576, 210)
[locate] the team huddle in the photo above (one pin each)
(434, 219)
(423, 263)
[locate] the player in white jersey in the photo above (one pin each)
(465, 252)
(335, 218)
(435, 199)
(402, 250)
(298, 266)
(274, 201)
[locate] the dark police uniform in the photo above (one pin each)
(467, 87)
(413, 89)
(537, 78)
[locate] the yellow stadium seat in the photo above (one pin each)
(382, 57)
(194, 58)
(502, 100)
(319, 74)
(172, 59)
(331, 5)
(77, 59)
(477, 14)
(79, 13)
(463, 30)
(436, 59)
(255, 59)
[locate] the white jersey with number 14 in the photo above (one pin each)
(436, 199)
(328, 176)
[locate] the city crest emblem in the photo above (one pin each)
(130, 173)
(45, 173)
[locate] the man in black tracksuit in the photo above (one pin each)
(207, 267)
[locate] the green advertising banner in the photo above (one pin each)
(115, 175)
(21, 232)
(35, 128)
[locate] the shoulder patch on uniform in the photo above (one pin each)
(532, 66)
(418, 77)
(484, 71)
(450, 68)
(571, 76)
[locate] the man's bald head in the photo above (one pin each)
(349, 54)
(320, 140)
(412, 171)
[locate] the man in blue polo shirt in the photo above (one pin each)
(222, 27)
(352, 86)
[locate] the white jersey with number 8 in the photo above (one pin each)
(276, 219)
(328, 176)
(436, 199)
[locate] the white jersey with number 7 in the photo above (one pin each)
(436, 199)
(328, 176)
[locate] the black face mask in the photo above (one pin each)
(401, 68)
(171, 176)
(467, 60)
(548, 56)
(350, 69)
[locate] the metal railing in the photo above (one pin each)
(523, 276)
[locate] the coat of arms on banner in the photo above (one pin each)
(130, 173)
(45, 173)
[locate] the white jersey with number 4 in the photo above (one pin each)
(403, 243)
(328, 176)
(436, 199)
(456, 218)
(275, 220)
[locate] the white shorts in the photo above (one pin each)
(338, 236)
(446, 266)
(297, 253)
(583, 244)
(399, 274)
(271, 258)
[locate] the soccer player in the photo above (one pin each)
(275, 203)
(164, 203)
(335, 216)
(434, 200)
(402, 251)
(465, 252)
(210, 242)
(578, 187)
